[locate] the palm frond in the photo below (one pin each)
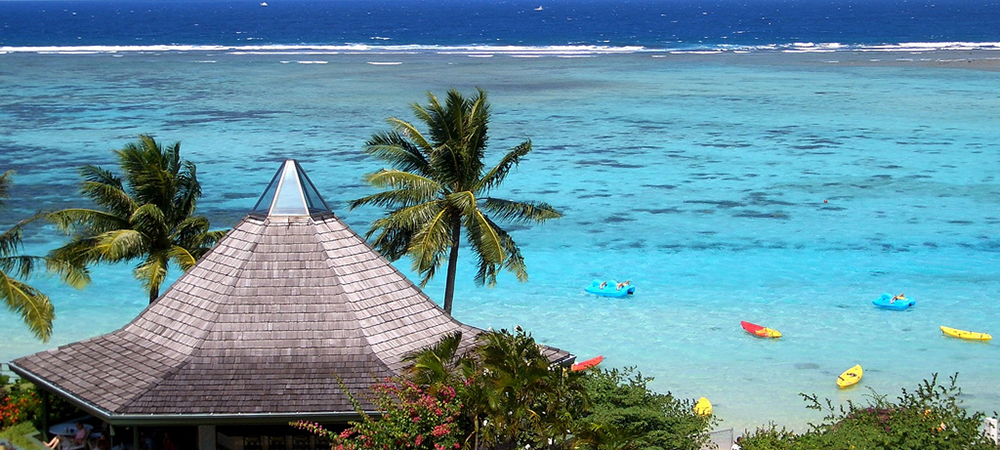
(91, 220)
(153, 271)
(118, 246)
(182, 257)
(201, 244)
(519, 212)
(515, 261)
(106, 190)
(499, 172)
(395, 231)
(487, 245)
(429, 246)
(488, 266)
(19, 266)
(99, 175)
(404, 180)
(187, 193)
(476, 127)
(432, 116)
(387, 199)
(76, 252)
(407, 189)
(6, 180)
(77, 276)
(34, 307)
(390, 242)
(213, 237)
(112, 198)
(150, 220)
(437, 364)
(190, 231)
(193, 234)
(10, 240)
(403, 148)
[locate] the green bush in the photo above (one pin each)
(929, 417)
(625, 414)
(769, 438)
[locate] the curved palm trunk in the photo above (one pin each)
(449, 288)
(153, 294)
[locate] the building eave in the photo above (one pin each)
(186, 419)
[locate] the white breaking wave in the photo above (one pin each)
(492, 50)
(471, 50)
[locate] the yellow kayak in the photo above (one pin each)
(703, 407)
(966, 334)
(850, 376)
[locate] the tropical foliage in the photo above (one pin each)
(148, 215)
(439, 185)
(626, 414)
(929, 417)
(523, 398)
(33, 306)
(509, 396)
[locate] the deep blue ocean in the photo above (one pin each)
(780, 162)
(653, 24)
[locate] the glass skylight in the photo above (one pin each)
(290, 193)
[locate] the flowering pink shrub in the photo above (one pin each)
(413, 419)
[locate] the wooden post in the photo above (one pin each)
(45, 415)
(206, 437)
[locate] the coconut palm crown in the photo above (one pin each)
(149, 217)
(440, 185)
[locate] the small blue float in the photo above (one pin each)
(895, 302)
(610, 288)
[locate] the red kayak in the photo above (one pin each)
(758, 330)
(587, 364)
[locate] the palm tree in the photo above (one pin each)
(149, 218)
(32, 305)
(440, 364)
(440, 185)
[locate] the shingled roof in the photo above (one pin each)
(261, 328)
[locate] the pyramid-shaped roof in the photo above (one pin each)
(265, 327)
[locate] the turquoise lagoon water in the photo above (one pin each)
(785, 189)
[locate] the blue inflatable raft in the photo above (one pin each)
(610, 288)
(888, 301)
